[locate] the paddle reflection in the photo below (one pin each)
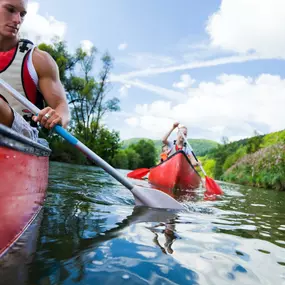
(169, 237)
(69, 237)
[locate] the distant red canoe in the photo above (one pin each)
(175, 173)
(24, 178)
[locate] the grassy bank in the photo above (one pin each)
(256, 161)
(264, 168)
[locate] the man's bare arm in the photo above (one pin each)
(165, 138)
(52, 90)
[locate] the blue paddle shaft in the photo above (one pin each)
(66, 135)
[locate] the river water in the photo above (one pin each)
(91, 233)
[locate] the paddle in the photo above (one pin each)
(143, 196)
(211, 186)
(138, 173)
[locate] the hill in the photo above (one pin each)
(257, 161)
(200, 146)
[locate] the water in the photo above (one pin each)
(92, 234)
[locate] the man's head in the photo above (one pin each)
(182, 129)
(12, 13)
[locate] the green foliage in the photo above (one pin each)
(63, 151)
(265, 168)
(106, 145)
(134, 158)
(208, 165)
(233, 158)
(254, 144)
(200, 146)
(87, 100)
(273, 138)
(139, 155)
(146, 151)
(230, 161)
(120, 160)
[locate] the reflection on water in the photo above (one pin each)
(92, 234)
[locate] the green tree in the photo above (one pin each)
(87, 97)
(134, 159)
(120, 160)
(254, 143)
(147, 152)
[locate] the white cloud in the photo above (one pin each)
(143, 60)
(122, 46)
(185, 83)
(235, 106)
(164, 92)
(86, 46)
(124, 90)
(38, 28)
(186, 66)
(249, 25)
(132, 121)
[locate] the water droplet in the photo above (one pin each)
(188, 277)
(96, 262)
(126, 276)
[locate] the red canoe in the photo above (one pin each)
(175, 173)
(24, 179)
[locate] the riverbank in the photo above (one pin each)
(264, 168)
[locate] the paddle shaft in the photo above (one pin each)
(70, 138)
(143, 196)
(191, 149)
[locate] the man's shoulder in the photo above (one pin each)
(42, 56)
(43, 62)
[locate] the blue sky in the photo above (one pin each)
(215, 66)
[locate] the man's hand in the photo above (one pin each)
(198, 163)
(48, 118)
(175, 125)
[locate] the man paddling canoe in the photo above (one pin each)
(33, 73)
(179, 143)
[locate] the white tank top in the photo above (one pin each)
(14, 75)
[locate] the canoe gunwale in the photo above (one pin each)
(176, 153)
(13, 140)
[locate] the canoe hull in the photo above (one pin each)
(176, 172)
(24, 169)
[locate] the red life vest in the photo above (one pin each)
(17, 69)
(177, 148)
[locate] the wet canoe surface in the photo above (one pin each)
(24, 167)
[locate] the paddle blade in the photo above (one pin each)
(212, 187)
(154, 199)
(138, 173)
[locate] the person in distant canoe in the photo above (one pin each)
(31, 72)
(165, 153)
(179, 143)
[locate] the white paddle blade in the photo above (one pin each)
(155, 199)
